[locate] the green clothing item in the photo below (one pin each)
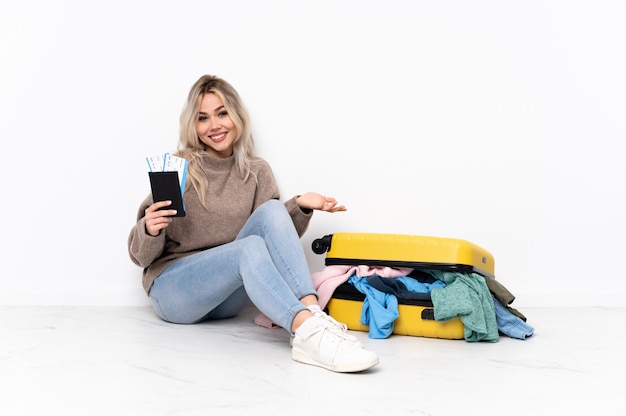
(467, 296)
(229, 202)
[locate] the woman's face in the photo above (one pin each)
(215, 127)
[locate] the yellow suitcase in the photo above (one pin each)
(416, 317)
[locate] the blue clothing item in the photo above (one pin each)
(379, 310)
(380, 307)
(415, 286)
(265, 264)
(404, 287)
(509, 324)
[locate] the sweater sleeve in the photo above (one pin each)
(301, 219)
(143, 248)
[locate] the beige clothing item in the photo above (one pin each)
(230, 201)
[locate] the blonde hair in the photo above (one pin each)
(191, 147)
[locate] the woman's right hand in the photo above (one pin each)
(157, 218)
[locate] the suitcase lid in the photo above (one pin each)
(400, 250)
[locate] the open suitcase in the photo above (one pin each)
(416, 316)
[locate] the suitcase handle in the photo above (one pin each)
(428, 314)
(321, 245)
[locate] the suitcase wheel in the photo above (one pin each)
(321, 245)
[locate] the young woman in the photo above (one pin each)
(236, 242)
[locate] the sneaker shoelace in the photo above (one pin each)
(341, 326)
(336, 327)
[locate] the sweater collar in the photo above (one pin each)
(218, 163)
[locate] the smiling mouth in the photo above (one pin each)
(218, 137)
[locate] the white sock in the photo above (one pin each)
(308, 325)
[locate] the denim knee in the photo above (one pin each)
(272, 207)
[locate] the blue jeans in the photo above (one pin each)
(265, 264)
(510, 324)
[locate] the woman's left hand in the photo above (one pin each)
(312, 200)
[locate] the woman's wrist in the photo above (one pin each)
(306, 211)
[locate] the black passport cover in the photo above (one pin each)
(165, 186)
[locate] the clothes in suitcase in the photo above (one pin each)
(418, 256)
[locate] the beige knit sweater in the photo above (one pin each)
(230, 201)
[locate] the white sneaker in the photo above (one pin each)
(331, 348)
(341, 326)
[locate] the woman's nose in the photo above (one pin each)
(214, 124)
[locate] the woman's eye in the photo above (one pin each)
(222, 114)
(202, 118)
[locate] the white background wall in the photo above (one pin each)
(497, 122)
